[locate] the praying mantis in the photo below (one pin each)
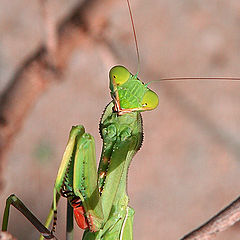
(98, 198)
(156, 153)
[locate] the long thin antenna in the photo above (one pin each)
(195, 79)
(135, 36)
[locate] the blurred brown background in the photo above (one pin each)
(188, 168)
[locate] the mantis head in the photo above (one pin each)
(129, 93)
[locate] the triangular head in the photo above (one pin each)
(129, 93)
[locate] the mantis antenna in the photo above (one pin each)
(174, 79)
(135, 37)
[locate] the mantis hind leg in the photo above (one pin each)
(18, 204)
(51, 215)
(69, 229)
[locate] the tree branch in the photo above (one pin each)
(220, 222)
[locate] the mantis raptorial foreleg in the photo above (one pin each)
(77, 180)
(77, 176)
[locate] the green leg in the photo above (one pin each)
(51, 214)
(69, 232)
(17, 203)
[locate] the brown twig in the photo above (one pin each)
(220, 222)
(26, 86)
(50, 27)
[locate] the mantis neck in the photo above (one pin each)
(122, 134)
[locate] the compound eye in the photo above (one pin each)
(150, 100)
(119, 75)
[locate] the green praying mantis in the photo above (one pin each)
(98, 198)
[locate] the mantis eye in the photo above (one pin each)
(119, 75)
(150, 100)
